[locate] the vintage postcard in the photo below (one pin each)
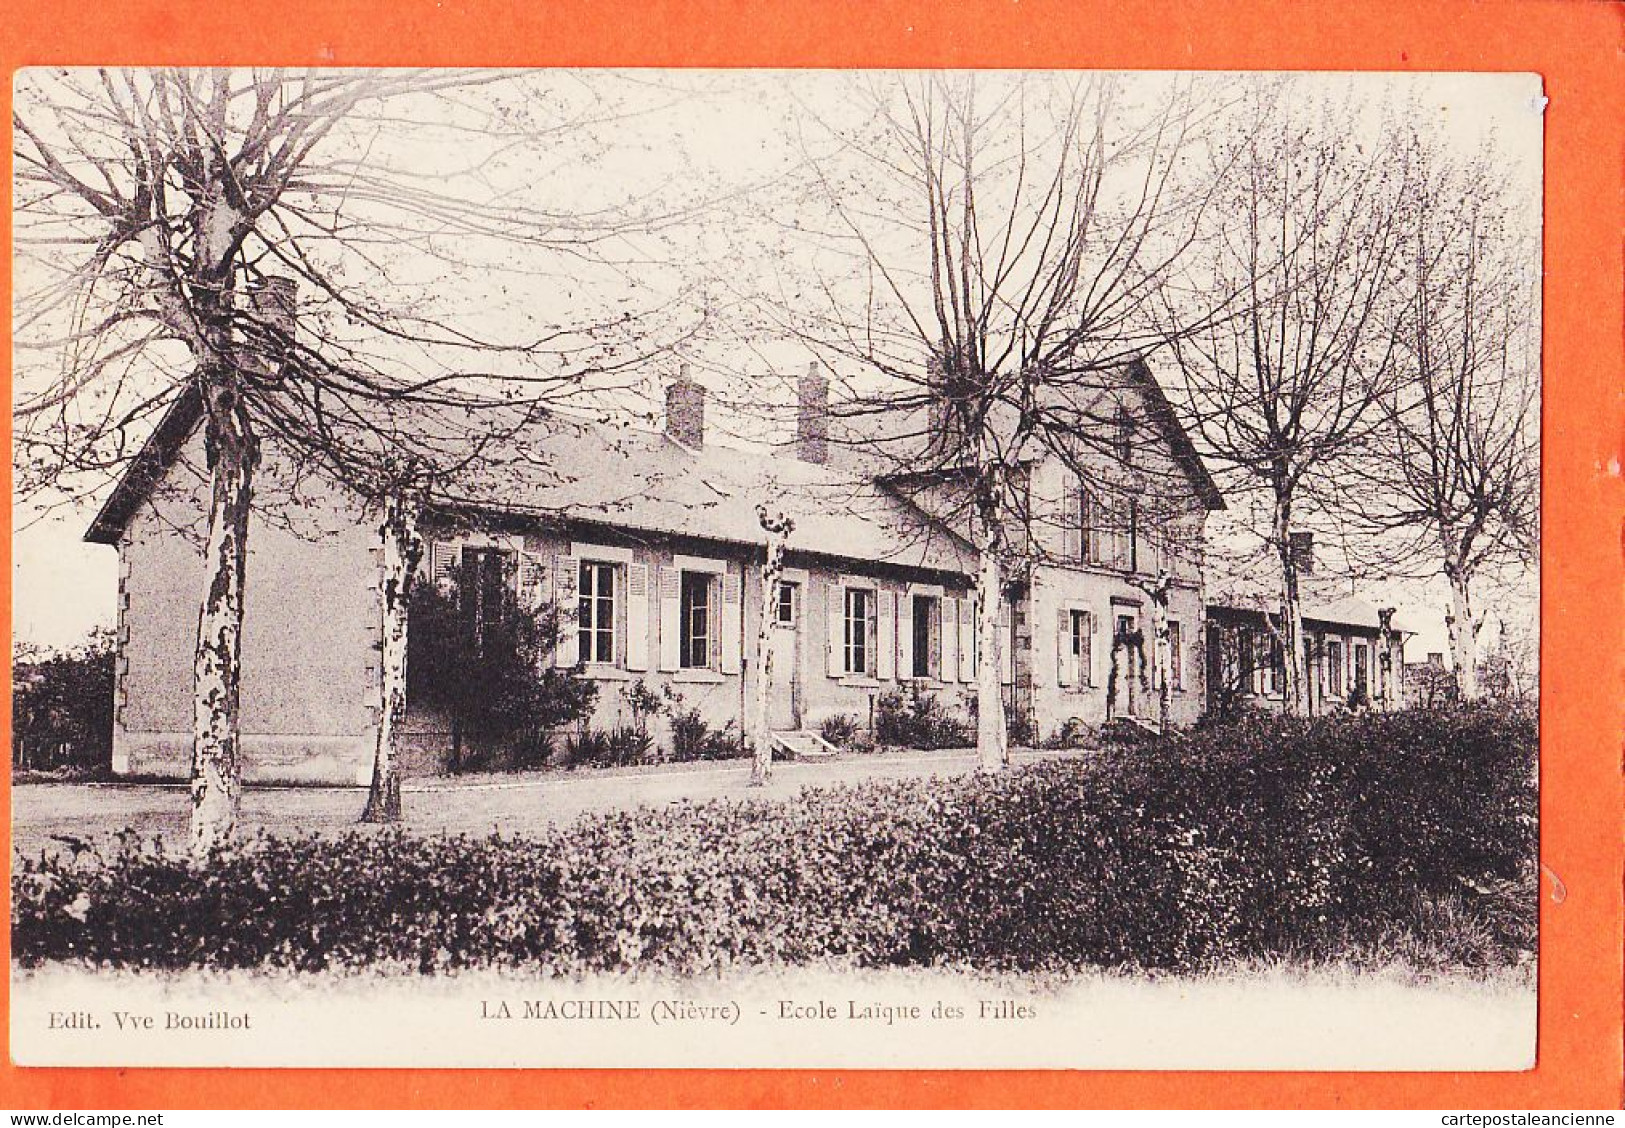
(929, 569)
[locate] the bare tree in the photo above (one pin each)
(158, 210)
(985, 255)
(1454, 471)
(1308, 238)
(777, 526)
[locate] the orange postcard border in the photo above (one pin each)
(1573, 44)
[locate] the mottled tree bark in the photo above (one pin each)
(1161, 654)
(778, 528)
(992, 734)
(1289, 630)
(217, 662)
(402, 548)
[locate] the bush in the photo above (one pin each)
(497, 688)
(62, 708)
(693, 739)
(617, 747)
(913, 719)
(840, 730)
(1406, 835)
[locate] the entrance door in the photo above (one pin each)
(784, 644)
(1129, 662)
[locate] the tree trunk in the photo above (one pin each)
(778, 528)
(1387, 669)
(217, 662)
(1463, 632)
(401, 551)
(1161, 654)
(761, 740)
(992, 735)
(1289, 632)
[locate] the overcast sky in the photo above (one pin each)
(682, 136)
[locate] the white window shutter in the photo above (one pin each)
(637, 616)
(1064, 659)
(950, 640)
(905, 636)
(1098, 647)
(532, 585)
(1072, 520)
(566, 574)
(1007, 657)
(671, 618)
(834, 630)
(730, 621)
(444, 560)
(967, 639)
(885, 635)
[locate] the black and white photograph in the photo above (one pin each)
(748, 568)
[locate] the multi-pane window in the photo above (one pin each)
(784, 607)
(1361, 671)
(698, 620)
(484, 581)
(1082, 647)
(1334, 669)
(860, 616)
(596, 612)
(1176, 660)
(1089, 530)
(927, 634)
(1277, 666)
(1134, 534)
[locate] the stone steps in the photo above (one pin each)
(805, 745)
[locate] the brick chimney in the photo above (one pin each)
(685, 411)
(1303, 553)
(812, 416)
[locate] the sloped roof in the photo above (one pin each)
(631, 478)
(1350, 610)
(637, 479)
(1347, 611)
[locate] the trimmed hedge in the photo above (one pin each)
(1267, 838)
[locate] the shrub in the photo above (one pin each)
(914, 719)
(692, 738)
(1267, 837)
(839, 730)
(617, 747)
(496, 686)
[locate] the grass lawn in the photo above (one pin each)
(516, 804)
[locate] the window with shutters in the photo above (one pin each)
(1134, 535)
(859, 629)
(926, 637)
(1089, 519)
(1082, 647)
(1119, 540)
(485, 574)
(698, 611)
(596, 612)
(1176, 656)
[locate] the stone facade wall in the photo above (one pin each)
(310, 663)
